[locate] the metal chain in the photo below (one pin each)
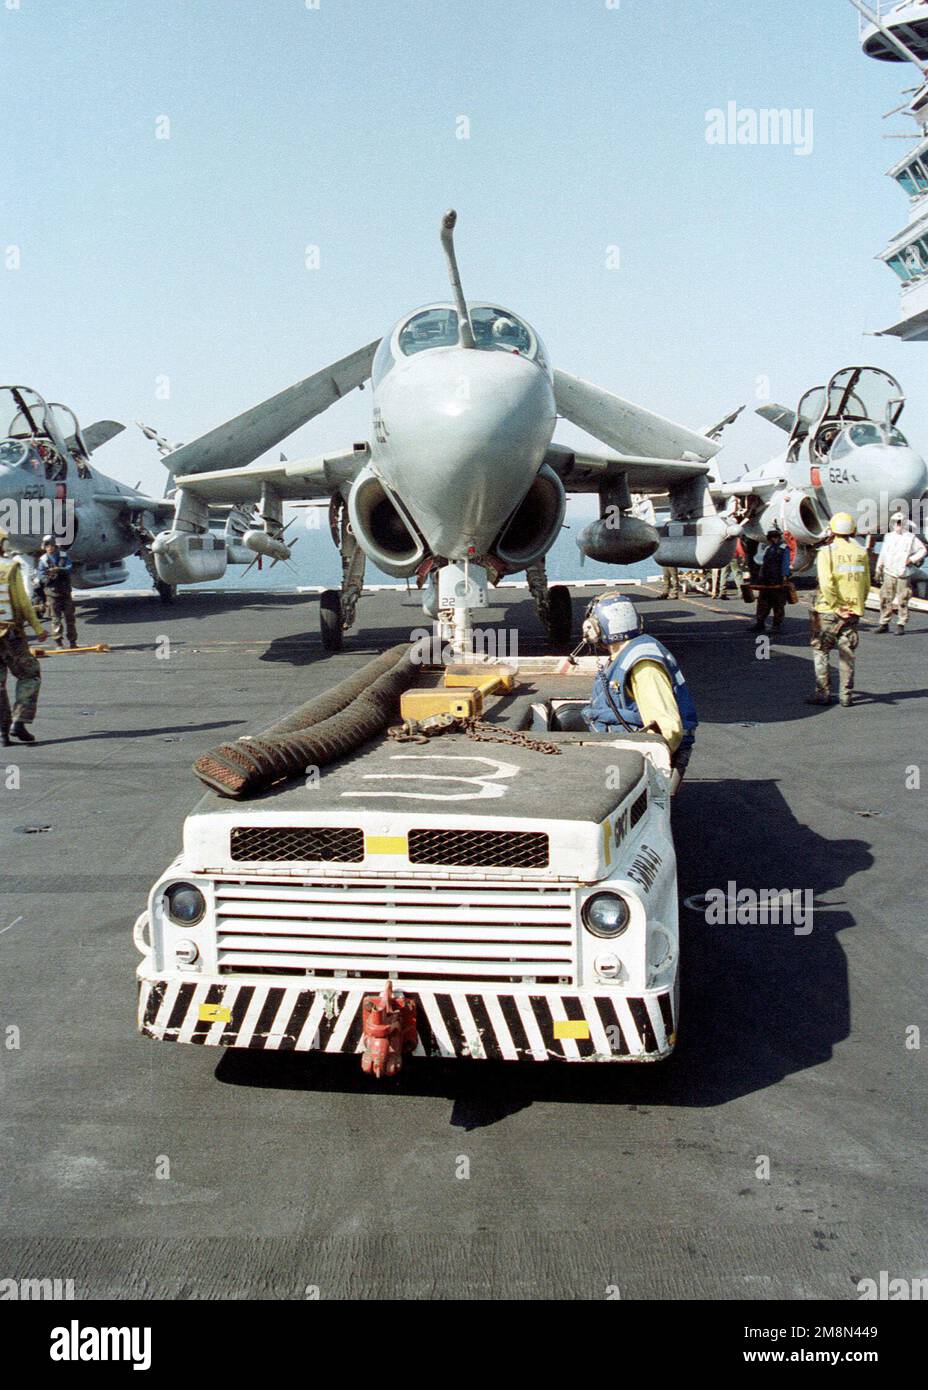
(482, 732)
(420, 731)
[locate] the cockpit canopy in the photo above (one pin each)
(826, 414)
(438, 326)
(39, 435)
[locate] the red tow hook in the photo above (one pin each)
(389, 1031)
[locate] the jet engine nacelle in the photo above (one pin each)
(705, 544)
(382, 528)
(262, 544)
(101, 575)
(182, 557)
(622, 542)
(535, 524)
(798, 514)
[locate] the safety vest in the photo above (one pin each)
(844, 566)
(611, 689)
(7, 616)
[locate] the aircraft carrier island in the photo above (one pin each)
(776, 1153)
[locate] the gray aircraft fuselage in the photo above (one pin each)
(459, 433)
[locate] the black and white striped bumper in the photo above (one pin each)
(522, 1024)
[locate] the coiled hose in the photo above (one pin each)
(318, 732)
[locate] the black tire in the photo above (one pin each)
(330, 620)
(560, 616)
(166, 592)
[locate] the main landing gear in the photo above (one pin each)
(337, 607)
(553, 606)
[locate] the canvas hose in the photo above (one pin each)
(318, 732)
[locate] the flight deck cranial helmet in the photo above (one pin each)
(612, 618)
(842, 524)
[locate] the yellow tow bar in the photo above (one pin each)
(70, 651)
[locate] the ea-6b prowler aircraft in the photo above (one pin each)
(48, 485)
(460, 481)
(845, 454)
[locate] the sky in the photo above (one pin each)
(168, 279)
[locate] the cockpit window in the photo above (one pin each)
(432, 328)
(859, 436)
(495, 329)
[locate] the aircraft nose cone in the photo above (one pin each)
(465, 432)
(893, 474)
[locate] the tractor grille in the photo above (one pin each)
(480, 849)
(406, 931)
(333, 844)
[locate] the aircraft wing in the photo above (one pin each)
(634, 432)
(293, 479)
(581, 472)
(163, 507)
(749, 487)
(240, 441)
(97, 434)
(779, 415)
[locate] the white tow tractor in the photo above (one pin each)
(506, 891)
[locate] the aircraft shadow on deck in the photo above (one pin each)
(758, 1002)
(202, 604)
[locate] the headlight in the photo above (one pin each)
(185, 903)
(605, 915)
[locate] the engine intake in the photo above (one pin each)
(381, 527)
(535, 524)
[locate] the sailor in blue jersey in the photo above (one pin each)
(642, 687)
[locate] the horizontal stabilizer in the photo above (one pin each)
(97, 434)
(779, 415)
(582, 472)
(240, 441)
(626, 427)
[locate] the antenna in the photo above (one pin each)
(447, 245)
(889, 36)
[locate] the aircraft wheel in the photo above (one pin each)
(166, 592)
(330, 620)
(560, 616)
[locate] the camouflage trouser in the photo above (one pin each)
(830, 630)
(16, 658)
(671, 581)
(898, 590)
(719, 582)
(61, 615)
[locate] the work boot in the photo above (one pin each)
(821, 697)
(19, 730)
(5, 738)
(59, 641)
(72, 645)
(883, 627)
(900, 631)
(758, 627)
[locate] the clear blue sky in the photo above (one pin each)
(335, 126)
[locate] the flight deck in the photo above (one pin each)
(791, 1044)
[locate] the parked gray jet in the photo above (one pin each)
(49, 486)
(460, 481)
(845, 453)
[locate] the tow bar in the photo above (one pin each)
(389, 1031)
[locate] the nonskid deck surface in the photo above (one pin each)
(793, 1044)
